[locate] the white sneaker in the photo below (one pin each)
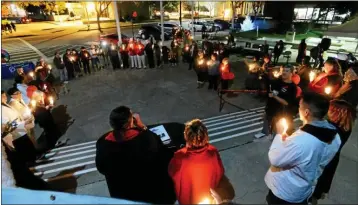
(259, 135)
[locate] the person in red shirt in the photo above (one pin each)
(139, 48)
(226, 74)
(196, 168)
(132, 53)
(330, 78)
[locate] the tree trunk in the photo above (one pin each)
(180, 13)
(233, 15)
(99, 23)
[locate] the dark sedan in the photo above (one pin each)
(223, 25)
(109, 38)
(153, 30)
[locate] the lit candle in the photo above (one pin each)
(312, 76)
(276, 74)
(50, 99)
(205, 201)
(251, 67)
(31, 74)
(222, 68)
(328, 90)
(113, 48)
(104, 43)
(201, 62)
(49, 67)
(187, 48)
(45, 86)
(72, 58)
(285, 126)
(100, 50)
(33, 103)
(209, 63)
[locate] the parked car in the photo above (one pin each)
(169, 25)
(153, 30)
(109, 38)
(223, 25)
(211, 26)
(18, 20)
(198, 25)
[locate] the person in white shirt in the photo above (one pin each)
(17, 103)
(297, 161)
(18, 139)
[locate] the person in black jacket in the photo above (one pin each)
(277, 51)
(157, 53)
(85, 57)
(192, 55)
(150, 54)
(57, 60)
(134, 160)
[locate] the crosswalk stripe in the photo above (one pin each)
(220, 128)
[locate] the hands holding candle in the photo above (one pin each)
(328, 90)
(50, 99)
(312, 76)
(282, 127)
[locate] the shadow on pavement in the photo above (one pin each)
(65, 181)
(62, 119)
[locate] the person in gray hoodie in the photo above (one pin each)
(214, 72)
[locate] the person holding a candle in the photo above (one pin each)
(139, 49)
(298, 160)
(85, 58)
(124, 55)
(150, 54)
(113, 54)
(281, 102)
(331, 77)
(94, 58)
(60, 65)
(193, 54)
(158, 54)
(304, 71)
(196, 168)
(226, 74)
(19, 140)
(201, 69)
(213, 72)
(349, 90)
(342, 115)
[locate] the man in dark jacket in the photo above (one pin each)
(85, 57)
(134, 160)
(193, 54)
(57, 60)
(277, 51)
(150, 54)
(113, 53)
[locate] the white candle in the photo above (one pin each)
(50, 99)
(328, 90)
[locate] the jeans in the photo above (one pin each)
(63, 74)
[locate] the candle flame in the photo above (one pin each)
(49, 67)
(209, 63)
(205, 201)
(31, 74)
(276, 74)
(201, 62)
(251, 67)
(328, 90)
(72, 58)
(312, 76)
(33, 103)
(187, 48)
(112, 47)
(45, 86)
(285, 125)
(50, 99)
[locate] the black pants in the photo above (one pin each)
(70, 72)
(125, 59)
(213, 82)
(151, 63)
(45, 120)
(191, 63)
(86, 66)
(275, 59)
(115, 62)
(224, 84)
(25, 149)
(159, 62)
(201, 76)
(272, 200)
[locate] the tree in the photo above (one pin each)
(235, 5)
(211, 7)
(257, 7)
(101, 8)
(171, 6)
(187, 6)
(203, 8)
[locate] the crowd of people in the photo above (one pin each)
(302, 162)
(7, 26)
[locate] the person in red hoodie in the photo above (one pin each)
(196, 168)
(226, 74)
(132, 53)
(140, 55)
(328, 82)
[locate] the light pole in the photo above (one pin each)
(117, 23)
(192, 19)
(162, 20)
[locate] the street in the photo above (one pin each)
(159, 95)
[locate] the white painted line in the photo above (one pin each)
(67, 155)
(235, 135)
(233, 120)
(234, 124)
(234, 113)
(238, 128)
(34, 49)
(69, 146)
(64, 168)
(77, 173)
(67, 151)
(234, 116)
(61, 162)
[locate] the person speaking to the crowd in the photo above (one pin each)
(297, 160)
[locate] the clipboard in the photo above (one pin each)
(162, 133)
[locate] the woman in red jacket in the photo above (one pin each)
(196, 168)
(226, 74)
(329, 81)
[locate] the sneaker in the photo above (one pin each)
(259, 135)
